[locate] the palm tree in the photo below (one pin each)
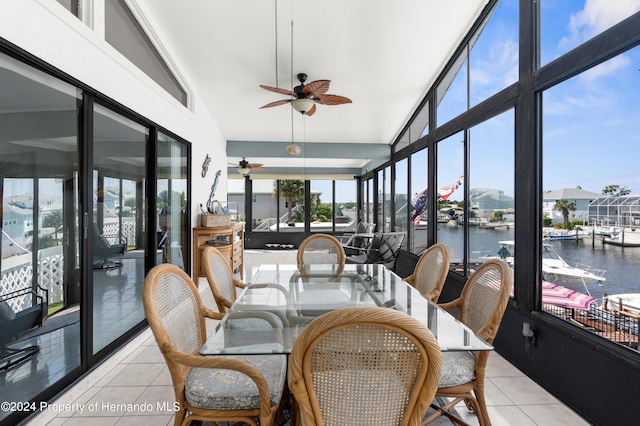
(53, 219)
(565, 206)
(292, 190)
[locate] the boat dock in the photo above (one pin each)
(618, 327)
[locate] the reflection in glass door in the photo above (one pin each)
(171, 201)
(39, 265)
(119, 163)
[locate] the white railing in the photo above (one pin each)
(17, 273)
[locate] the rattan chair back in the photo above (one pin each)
(484, 298)
(320, 249)
(220, 277)
(364, 366)
(431, 271)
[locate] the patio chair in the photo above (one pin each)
(103, 250)
(251, 326)
(431, 271)
(383, 249)
(364, 366)
(360, 238)
(481, 307)
(217, 388)
(14, 325)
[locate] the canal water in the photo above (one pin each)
(622, 265)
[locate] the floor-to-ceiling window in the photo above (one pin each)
(39, 223)
(591, 143)
(491, 198)
(402, 201)
(75, 268)
(333, 205)
(419, 191)
(264, 206)
(119, 155)
(451, 197)
(556, 150)
(369, 201)
(172, 201)
(291, 195)
(345, 201)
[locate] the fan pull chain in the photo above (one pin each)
(275, 14)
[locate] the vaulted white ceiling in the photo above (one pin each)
(383, 55)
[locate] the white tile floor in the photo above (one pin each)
(133, 387)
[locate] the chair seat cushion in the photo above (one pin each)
(221, 389)
(457, 368)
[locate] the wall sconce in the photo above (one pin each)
(529, 333)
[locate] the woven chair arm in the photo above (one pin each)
(411, 279)
(221, 362)
(451, 305)
(239, 284)
(432, 295)
(208, 313)
(488, 333)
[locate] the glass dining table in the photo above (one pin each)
(280, 300)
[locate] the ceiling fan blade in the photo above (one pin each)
(311, 111)
(254, 166)
(317, 87)
(332, 100)
(278, 90)
(276, 103)
(258, 168)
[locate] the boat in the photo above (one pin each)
(555, 269)
(600, 230)
(561, 235)
(623, 239)
(628, 303)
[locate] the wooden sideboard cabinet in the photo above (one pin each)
(228, 239)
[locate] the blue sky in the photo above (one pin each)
(590, 122)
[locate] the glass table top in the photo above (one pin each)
(280, 300)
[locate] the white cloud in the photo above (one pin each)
(597, 16)
(606, 68)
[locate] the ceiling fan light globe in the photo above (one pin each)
(302, 105)
(244, 170)
(293, 149)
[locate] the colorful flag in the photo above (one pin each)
(419, 202)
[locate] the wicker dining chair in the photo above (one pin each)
(323, 287)
(364, 366)
(216, 388)
(220, 278)
(481, 307)
(320, 249)
(255, 325)
(431, 271)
